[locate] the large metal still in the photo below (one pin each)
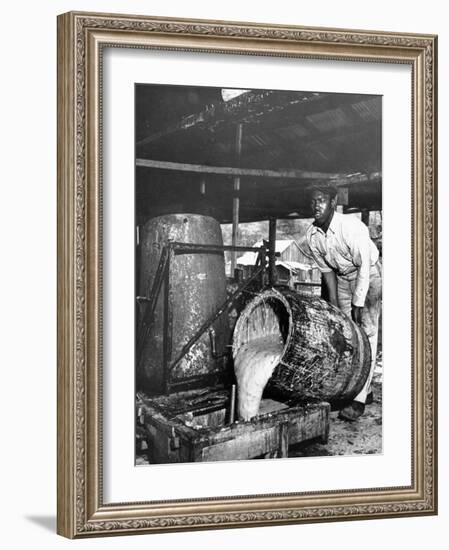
(192, 289)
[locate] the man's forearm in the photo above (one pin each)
(330, 281)
(362, 285)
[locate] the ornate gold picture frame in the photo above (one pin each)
(82, 509)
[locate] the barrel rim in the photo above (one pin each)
(250, 307)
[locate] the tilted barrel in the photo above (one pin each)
(322, 354)
(197, 287)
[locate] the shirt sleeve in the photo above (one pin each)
(319, 259)
(359, 243)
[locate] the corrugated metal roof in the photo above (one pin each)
(368, 110)
(329, 120)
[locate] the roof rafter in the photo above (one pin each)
(338, 179)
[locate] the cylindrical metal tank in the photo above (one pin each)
(197, 287)
(323, 354)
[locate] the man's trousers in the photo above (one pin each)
(370, 313)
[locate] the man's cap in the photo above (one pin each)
(326, 188)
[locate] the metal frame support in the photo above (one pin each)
(226, 304)
(163, 276)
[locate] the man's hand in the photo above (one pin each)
(356, 314)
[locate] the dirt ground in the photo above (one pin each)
(364, 436)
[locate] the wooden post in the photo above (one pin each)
(272, 252)
(283, 440)
(365, 217)
(236, 198)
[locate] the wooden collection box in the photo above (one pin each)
(193, 426)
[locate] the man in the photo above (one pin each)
(349, 262)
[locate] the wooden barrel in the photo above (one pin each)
(197, 287)
(325, 355)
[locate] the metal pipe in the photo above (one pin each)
(213, 342)
(213, 346)
(232, 405)
(153, 295)
(183, 248)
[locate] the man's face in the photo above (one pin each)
(322, 206)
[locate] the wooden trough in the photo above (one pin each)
(193, 426)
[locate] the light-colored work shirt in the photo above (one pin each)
(347, 249)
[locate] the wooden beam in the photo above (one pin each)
(236, 198)
(338, 179)
(365, 217)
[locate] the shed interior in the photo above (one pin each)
(193, 144)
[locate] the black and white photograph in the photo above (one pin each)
(258, 274)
